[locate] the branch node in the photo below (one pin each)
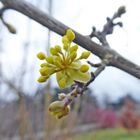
(108, 27)
(10, 27)
(94, 65)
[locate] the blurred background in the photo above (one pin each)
(112, 100)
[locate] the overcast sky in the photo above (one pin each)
(81, 15)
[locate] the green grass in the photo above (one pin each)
(108, 134)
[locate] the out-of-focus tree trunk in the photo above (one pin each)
(0, 57)
(25, 129)
(48, 121)
(22, 118)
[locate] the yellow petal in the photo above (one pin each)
(79, 76)
(75, 65)
(62, 83)
(69, 82)
(59, 75)
(64, 75)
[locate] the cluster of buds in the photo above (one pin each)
(61, 108)
(65, 63)
(58, 109)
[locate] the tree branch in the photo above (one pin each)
(34, 13)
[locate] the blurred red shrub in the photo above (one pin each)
(129, 119)
(106, 118)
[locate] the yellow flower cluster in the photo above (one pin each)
(65, 63)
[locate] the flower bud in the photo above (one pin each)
(57, 58)
(73, 55)
(64, 112)
(65, 47)
(11, 28)
(59, 113)
(65, 40)
(57, 63)
(61, 96)
(74, 48)
(84, 68)
(41, 55)
(44, 71)
(49, 59)
(42, 79)
(85, 55)
(44, 65)
(58, 48)
(70, 35)
(53, 51)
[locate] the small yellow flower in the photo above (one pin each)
(44, 65)
(49, 59)
(70, 35)
(85, 54)
(65, 41)
(58, 49)
(65, 63)
(84, 68)
(41, 55)
(53, 51)
(74, 48)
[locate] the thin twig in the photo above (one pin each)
(94, 75)
(108, 27)
(94, 65)
(100, 36)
